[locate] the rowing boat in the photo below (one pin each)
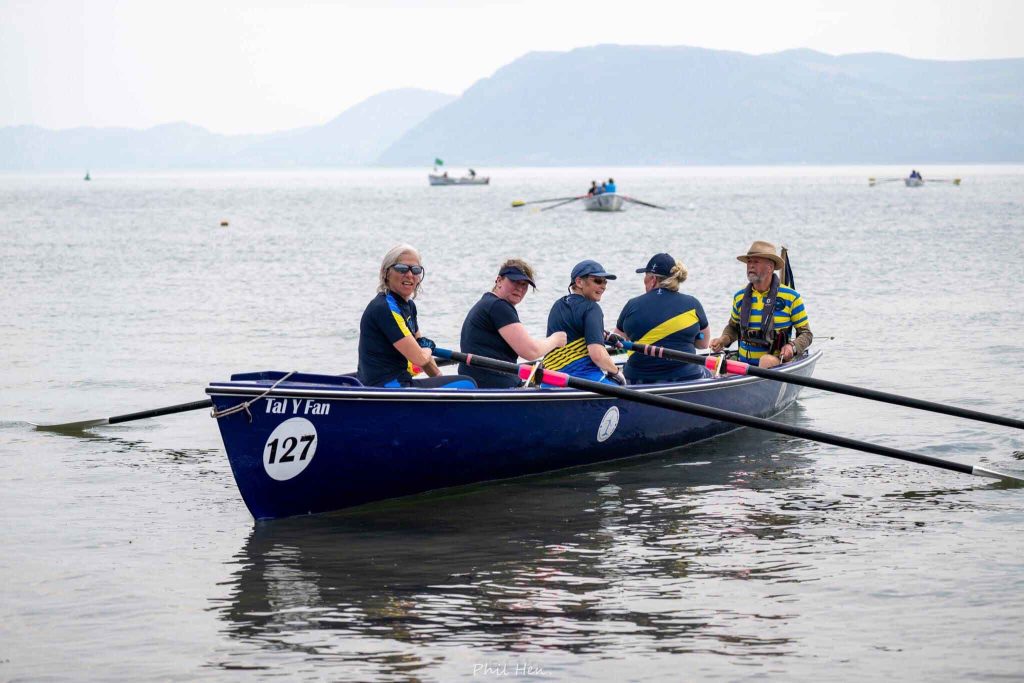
(603, 202)
(464, 180)
(914, 182)
(307, 443)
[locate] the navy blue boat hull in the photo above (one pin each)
(349, 446)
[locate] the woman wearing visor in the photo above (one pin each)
(390, 343)
(492, 327)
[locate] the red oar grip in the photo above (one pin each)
(550, 377)
(715, 364)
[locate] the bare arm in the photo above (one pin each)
(730, 334)
(525, 346)
(417, 355)
(599, 354)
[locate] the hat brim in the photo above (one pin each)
(520, 278)
(606, 276)
(777, 260)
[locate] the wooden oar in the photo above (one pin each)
(740, 368)
(520, 202)
(637, 201)
(142, 415)
(567, 201)
(562, 380)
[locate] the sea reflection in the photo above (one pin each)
(582, 562)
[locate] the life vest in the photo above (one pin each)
(765, 338)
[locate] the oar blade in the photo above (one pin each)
(1006, 478)
(71, 426)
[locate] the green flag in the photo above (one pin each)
(438, 162)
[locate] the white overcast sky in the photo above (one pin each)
(243, 67)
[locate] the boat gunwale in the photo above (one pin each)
(488, 395)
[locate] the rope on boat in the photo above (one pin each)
(217, 414)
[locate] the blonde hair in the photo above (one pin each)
(675, 278)
(393, 256)
(516, 263)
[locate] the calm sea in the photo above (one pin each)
(127, 553)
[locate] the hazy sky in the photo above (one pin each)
(240, 67)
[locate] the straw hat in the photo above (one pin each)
(763, 249)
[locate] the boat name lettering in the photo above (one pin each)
(297, 406)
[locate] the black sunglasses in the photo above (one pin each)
(404, 268)
(598, 280)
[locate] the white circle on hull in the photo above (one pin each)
(289, 448)
(608, 424)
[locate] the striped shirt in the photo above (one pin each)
(583, 323)
(789, 313)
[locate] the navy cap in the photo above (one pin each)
(660, 265)
(516, 274)
(588, 267)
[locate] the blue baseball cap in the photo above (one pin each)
(588, 267)
(660, 265)
(516, 274)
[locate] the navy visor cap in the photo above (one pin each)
(660, 265)
(588, 267)
(515, 274)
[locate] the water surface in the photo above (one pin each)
(127, 552)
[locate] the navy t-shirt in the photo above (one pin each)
(387, 319)
(665, 318)
(583, 323)
(480, 336)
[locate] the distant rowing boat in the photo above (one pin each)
(464, 180)
(913, 181)
(603, 202)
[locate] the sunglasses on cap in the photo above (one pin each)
(404, 268)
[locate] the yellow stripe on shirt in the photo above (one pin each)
(573, 351)
(402, 327)
(670, 326)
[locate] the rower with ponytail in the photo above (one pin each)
(666, 317)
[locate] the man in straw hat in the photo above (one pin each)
(765, 313)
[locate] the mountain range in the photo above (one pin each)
(617, 105)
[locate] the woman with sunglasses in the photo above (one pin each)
(578, 315)
(390, 343)
(666, 317)
(492, 327)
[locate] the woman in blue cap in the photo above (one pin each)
(666, 317)
(578, 315)
(492, 327)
